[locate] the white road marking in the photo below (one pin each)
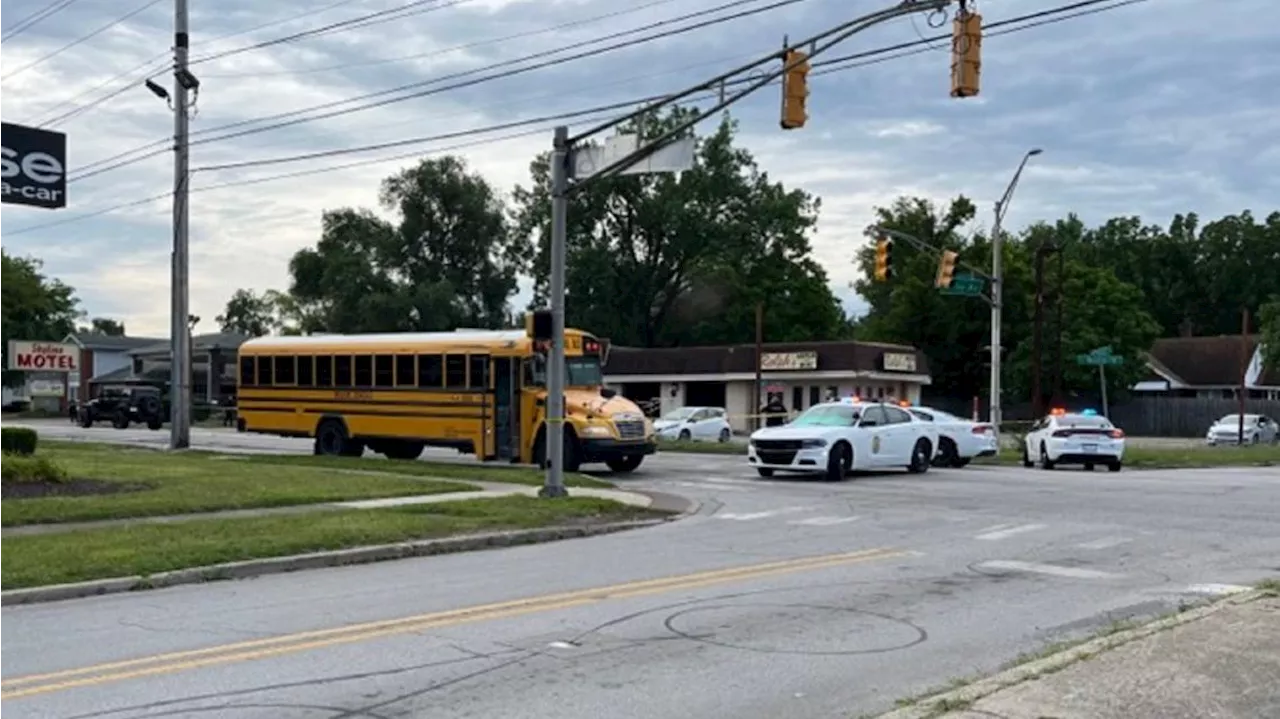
(718, 487)
(1004, 533)
(1050, 569)
(823, 521)
(1104, 543)
(748, 516)
(1216, 590)
(995, 528)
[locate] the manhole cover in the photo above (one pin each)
(795, 629)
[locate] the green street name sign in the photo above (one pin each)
(966, 285)
(1100, 357)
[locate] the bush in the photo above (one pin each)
(18, 440)
(18, 469)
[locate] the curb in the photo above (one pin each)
(317, 560)
(942, 704)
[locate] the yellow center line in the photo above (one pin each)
(304, 641)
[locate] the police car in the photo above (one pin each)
(836, 438)
(1074, 438)
(959, 439)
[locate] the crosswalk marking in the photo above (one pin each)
(1003, 531)
(748, 516)
(1049, 569)
(1104, 543)
(823, 521)
(1216, 590)
(718, 487)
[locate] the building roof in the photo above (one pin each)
(199, 343)
(110, 343)
(157, 374)
(1204, 361)
(735, 359)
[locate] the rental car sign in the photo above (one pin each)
(43, 356)
(33, 167)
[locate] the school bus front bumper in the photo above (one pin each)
(605, 449)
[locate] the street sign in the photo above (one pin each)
(676, 156)
(34, 167)
(966, 285)
(1100, 357)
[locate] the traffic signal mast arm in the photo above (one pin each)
(792, 61)
(947, 259)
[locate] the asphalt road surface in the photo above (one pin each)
(781, 597)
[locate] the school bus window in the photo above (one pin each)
(248, 375)
(479, 371)
(284, 370)
(406, 373)
(306, 374)
(430, 371)
(342, 371)
(265, 375)
(455, 371)
(383, 369)
(324, 371)
(364, 371)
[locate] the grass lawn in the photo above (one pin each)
(149, 548)
(702, 447)
(474, 471)
(181, 483)
(1174, 457)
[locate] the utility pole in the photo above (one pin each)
(997, 291)
(1061, 299)
(554, 485)
(1244, 369)
(755, 407)
(179, 334)
(1037, 333)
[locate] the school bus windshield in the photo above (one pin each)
(579, 372)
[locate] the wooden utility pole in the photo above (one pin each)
(1059, 397)
(1037, 336)
(755, 403)
(1244, 369)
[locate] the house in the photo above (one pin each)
(150, 364)
(1208, 367)
(804, 373)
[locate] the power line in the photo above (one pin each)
(83, 38)
(444, 51)
(119, 160)
(862, 59)
(31, 20)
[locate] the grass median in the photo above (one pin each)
(1174, 457)
(143, 549)
(470, 471)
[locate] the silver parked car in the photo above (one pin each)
(1258, 429)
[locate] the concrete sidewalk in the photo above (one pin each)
(487, 490)
(1222, 664)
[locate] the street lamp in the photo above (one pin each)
(997, 289)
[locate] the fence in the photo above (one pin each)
(1182, 416)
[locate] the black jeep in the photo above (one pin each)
(123, 405)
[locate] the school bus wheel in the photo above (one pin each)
(332, 439)
(572, 457)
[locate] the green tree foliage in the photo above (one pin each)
(1269, 330)
(666, 260)
(35, 307)
(450, 260)
(103, 326)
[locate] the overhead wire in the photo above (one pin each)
(44, 58)
(34, 18)
(824, 67)
(119, 160)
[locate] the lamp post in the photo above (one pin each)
(997, 289)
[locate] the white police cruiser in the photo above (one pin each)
(1074, 438)
(836, 438)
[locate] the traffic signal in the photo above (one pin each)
(795, 89)
(946, 269)
(966, 54)
(884, 259)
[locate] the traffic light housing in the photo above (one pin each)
(966, 54)
(946, 269)
(795, 89)
(884, 259)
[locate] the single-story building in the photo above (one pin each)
(804, 373)
(1208, 367)
(101, 355)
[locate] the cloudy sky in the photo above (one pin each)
(1149, 108)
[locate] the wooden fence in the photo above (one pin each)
(1183, 416)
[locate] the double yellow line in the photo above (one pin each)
(34, 684)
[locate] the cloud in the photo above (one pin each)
(1140, 110)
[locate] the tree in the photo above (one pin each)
(35, 307)
(103, 326)
(449, 261)
(666, 260)
(249, 314)
(1269, 331)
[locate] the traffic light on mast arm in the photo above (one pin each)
(966, 54)
(795, 89)
(884, 259)
(946, 269)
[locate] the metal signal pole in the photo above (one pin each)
(997, 291)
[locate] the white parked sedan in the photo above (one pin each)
(1258, 429)
(959, 439)
(702, 424)
(1074, 438)
(836, 438)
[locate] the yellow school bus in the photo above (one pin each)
(478, 391)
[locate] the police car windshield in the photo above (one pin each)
(832, 415)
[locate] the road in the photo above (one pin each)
(780, 597)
